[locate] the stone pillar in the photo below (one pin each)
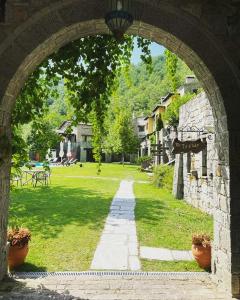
(234, 210)
(5, 163)
(226, 247)
(178, 177)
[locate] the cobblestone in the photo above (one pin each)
(112, 288)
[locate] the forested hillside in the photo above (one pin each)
(137, 92)
(141, 90)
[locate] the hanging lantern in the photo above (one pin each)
(119, 18)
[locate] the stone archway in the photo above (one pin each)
(193, 31)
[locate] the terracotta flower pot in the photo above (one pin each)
(202, 255)
(17, 255)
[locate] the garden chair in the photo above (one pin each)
(17, 179)
(41, 177)
(73, 162)
(63, 161)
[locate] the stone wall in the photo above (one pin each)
(205, 34)
(198, 173)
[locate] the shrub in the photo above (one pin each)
(163, 177)
(171, 115)
(201, 239)
(142, 159)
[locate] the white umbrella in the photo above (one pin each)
(69, 153)
(61, 153)
(48, 155)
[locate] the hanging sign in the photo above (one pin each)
(188, 146)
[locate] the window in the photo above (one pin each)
(204, 159)
(85, 138)
(189, 162)
(141, 128)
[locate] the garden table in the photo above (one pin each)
(35, 176)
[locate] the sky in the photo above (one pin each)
(156, 50)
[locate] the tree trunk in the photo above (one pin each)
(5, 165)
(123, 159)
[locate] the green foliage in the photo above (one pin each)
(121, 137)
(42, 137)
(171, 115)
(171, 63)
(152, 139)
(19, 153)
(88, 67)
(140, 91)
(163, 177)
(143, 159)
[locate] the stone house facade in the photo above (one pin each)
(195, 172)
(154, 134)
(80, 137)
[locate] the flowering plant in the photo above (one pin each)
(18, 236)
(201, 239)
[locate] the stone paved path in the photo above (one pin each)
(165, 254)
(165, 287)
(118, 246)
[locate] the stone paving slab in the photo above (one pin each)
(165, 254)
(118, 246)
(111, 288)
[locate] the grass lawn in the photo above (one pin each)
(113, 171)
(66, 220)
(170, 266)
(165, 222)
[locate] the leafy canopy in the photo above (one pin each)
(88, 67)
(171, 115)
(121, 137)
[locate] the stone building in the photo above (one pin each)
(80, 137)
(195, 172)
(155, 134)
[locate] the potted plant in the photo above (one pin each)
(18, 239)
(201, 250)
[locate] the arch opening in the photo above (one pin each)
(185, 38)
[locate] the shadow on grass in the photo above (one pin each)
(11, 289)
(46, 210)
(150, 211)
(28, 267)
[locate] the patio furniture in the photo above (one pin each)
(70, 162)
(17, 179)
(37, 176)
(42, 177)
(74, 162)
(63, 161)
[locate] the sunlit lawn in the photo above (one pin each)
(67, 218)
(165, 222)
(113, 171)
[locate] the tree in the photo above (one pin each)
(88, 67)
(171, 115)
(42, 137)
(171, 64)
(121, 137)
